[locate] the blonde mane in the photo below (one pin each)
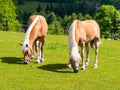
(73, 46)
(26, 39)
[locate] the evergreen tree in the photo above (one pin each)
(39, 8)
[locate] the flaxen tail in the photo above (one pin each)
(92, 44)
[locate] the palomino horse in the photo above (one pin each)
(35, 36)
(81, 33)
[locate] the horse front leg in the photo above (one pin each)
(87, 55)
(32, 53)
(69, 64)
(82, 55)
(42, 41)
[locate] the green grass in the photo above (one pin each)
(52, 74)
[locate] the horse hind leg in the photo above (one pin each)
(96, 54)
(38, 51)
(42, 50)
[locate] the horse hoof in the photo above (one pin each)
(86, 64)
(42, 60)
(95, 66)
(38, 61)
(69, 65)
(82, 68)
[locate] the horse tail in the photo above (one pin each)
(92, 44)
(72, 41)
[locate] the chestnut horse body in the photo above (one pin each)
(35, 36)
(81, 33)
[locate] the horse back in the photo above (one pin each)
(92, 28)
(86, 30)
(40, 28)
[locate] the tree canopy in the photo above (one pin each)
(107, 16)
(8, 19)
(61, 13)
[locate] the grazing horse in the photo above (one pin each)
(81, 33)
(35, 36)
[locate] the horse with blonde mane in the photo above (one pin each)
(35, 36)
(82, 33)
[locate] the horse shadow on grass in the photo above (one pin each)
(60, 68)
(11, 60)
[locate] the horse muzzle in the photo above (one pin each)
(76, 69)
(26, 61)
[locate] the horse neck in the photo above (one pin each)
(32, 39)
(30, 36)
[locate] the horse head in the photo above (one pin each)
(75, 59)
(27, 53)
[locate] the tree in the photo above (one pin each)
(20, 2)
(116, 25)
(60, 10)
(80, 17)
(8, 19)
(58, 28)
(87, 16)
(105, 17)
(84, 7)
(39, 8)
(65, 24)
(51, 18)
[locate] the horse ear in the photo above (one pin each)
(26, 45)
(20, 44)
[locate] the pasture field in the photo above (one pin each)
(53, 74)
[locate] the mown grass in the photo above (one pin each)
(52, 74)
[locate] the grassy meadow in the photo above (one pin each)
(53, 74)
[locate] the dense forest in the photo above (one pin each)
(60, 14)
